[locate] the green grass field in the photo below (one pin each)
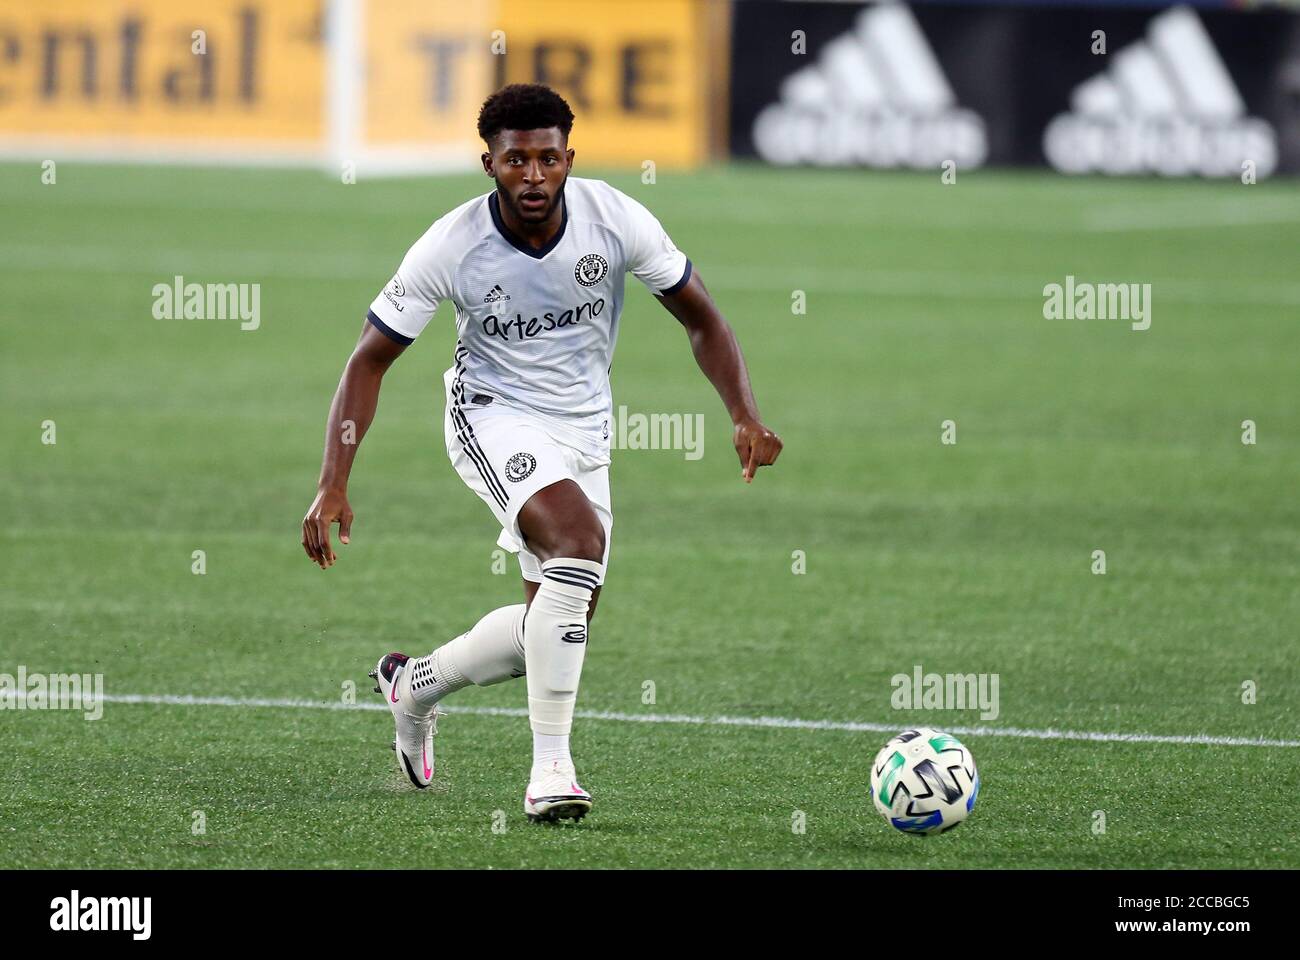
(924, 304)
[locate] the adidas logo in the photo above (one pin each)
(496, 295)
(1166, 105)
(875, 97)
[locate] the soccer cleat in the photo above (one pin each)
(414, 743)
(555, 795)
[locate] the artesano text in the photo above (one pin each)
(521, 329)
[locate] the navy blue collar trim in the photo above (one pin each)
(494, 207)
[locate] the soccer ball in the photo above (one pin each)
(924, 781)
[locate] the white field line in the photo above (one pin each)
(780, 723)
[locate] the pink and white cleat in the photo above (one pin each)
(415, 730)
(554, 794)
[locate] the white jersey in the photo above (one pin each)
(536, 328)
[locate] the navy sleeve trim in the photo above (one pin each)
(686, 276)
(388, 331)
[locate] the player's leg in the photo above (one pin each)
(592, 475)
(530, 591)
(490, 651)
(563, 530)
(482, 452)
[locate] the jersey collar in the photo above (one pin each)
(494, 207)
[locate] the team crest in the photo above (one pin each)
(591, 269)
(520, 467)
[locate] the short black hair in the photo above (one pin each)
(524, 106)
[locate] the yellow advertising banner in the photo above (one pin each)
(330, 80)
(636, 74)
(426, 72)
(641, 77)
(162, 71)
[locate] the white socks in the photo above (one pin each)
(549, 749)
(555, 642)
(551, 639)
(492, 651)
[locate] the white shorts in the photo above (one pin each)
(506, 455)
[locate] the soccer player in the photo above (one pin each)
(535, 269)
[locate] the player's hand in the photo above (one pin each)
(757, 447)
(330, 506)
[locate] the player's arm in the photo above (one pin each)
(718, 354)
(350, 415)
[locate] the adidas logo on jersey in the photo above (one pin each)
(496, 295)
(1166, 105)
(876, 97)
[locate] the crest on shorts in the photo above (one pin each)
(520, 467)
(591, 269)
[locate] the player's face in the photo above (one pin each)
(530, 167)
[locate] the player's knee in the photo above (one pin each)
(583, 543)
(559, 521)
(583, 540)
